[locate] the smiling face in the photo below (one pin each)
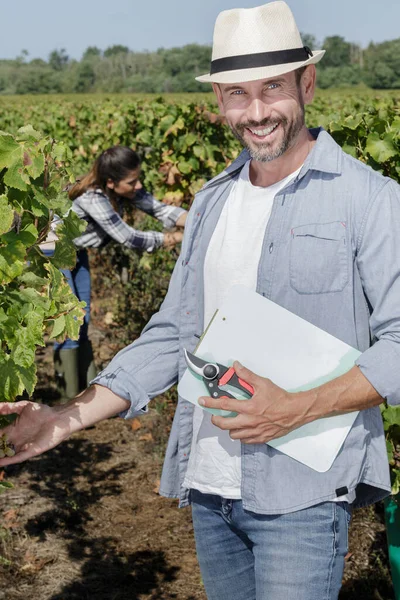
(127, 187)
(267, 116)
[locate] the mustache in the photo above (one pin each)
(262, 123)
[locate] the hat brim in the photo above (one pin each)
(243, 75)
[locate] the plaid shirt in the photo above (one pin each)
(104, 222)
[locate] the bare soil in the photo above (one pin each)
(85, 521)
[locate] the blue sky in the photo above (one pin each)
(40, 26)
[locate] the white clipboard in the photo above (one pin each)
(293, 353)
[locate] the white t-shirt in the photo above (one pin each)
(232, 258)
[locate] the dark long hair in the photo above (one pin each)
(114, 163)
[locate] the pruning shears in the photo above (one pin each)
(215, 376)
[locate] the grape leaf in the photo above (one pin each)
(381, 150)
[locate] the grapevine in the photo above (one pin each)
(35, 298)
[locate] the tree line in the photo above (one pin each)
(119, 69)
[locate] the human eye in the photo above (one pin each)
(237, 92)
(274, 85)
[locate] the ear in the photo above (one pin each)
(307, 84)
(110, 184)
(218, 93)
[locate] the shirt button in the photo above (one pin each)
(271, 247)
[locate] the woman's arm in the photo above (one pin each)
(170, 216)
(100, 210)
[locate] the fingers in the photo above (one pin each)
(229, 404)
(229, 423)
(18, 457)
(246, 436)
(246, 374)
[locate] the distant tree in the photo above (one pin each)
(37, 80)
(91, 52)
(21, 58)
(116, 49)
(192, 59)
(310, 41)
(38, 62)
(338, 52)
(382, 64)
(85, 77)
(58, 59)
(345, 76)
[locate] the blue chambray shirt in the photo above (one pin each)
(331, 254)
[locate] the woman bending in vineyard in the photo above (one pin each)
(97, 198)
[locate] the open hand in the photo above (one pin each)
(37, 429)
(270, 413)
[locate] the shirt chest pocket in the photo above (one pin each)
(318, 261)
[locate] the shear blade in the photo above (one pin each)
(194, 363)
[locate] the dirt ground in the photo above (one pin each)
(85, 522)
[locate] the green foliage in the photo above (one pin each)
(34, 296)
(391, 422)
(338, 51)
(58, 59)
(370, 134)
(341, 76)
(116, 50)
(382, 65)
(183, 143)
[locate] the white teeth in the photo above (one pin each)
(263, 132)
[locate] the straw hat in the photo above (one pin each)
(257, 43)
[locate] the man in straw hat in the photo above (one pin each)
(309, 227)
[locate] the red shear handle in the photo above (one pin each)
(246, 386)
(225, 379)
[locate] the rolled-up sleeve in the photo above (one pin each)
(149, 366)
(378, 260)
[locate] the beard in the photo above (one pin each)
(266, 151)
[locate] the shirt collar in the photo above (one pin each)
(326, 155)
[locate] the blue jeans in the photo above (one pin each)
(248, 556)
(79, 281)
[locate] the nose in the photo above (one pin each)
(258, 110)
(138, 186)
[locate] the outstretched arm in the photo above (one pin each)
(141, 371)
(99, 208)
(39, 427)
